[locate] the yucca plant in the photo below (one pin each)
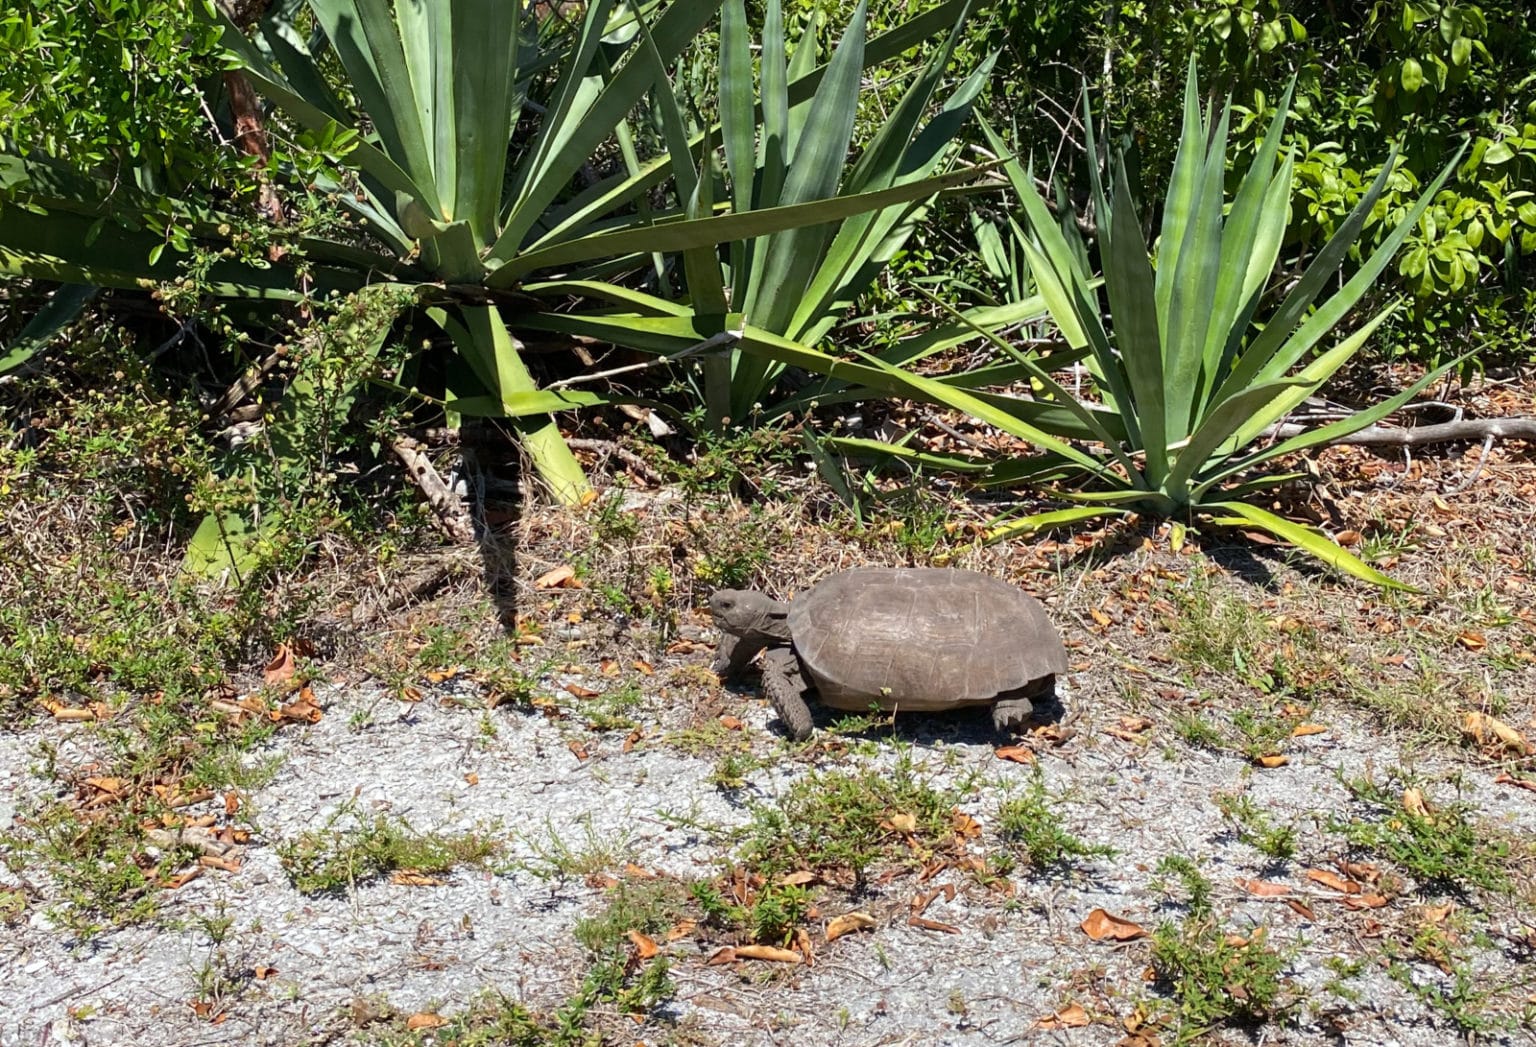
(800, 282)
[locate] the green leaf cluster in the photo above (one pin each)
(117, 88)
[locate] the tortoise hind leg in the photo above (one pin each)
(1011, 714)
(786, 688)
(1014, 709)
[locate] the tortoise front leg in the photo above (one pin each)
(785, 687)
(734, 654)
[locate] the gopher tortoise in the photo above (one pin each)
(908, 639)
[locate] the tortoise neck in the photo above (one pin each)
(774, 622)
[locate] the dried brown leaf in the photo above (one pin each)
(771, 953)
(69, 714)
(1015, 754)
(645, 946)
(1301, 909)
(932, 925)
(1263, 888)
(681, 929)
(1437, 913)
(1486, 730)
(1414, 804)
(281, 668)
(848, 923)
(412, 878)
(804, 946)
(965, 826)
(302, 710)
(181, 879)
(1099, 925)
(1069, 1017)
(1365, 872)
(563, 576)
(1333, 881)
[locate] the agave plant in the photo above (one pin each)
(1190, 375)
(800, 282)
(1193, 367)
(797, 284)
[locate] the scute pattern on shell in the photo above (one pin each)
(921, 638)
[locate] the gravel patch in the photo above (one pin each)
(442, 765)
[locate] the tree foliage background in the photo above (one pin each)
(128, 89)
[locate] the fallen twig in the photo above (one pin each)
(623, 454)
(1477, 470)
(1519, 428)
(452, 516)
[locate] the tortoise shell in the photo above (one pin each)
(922, 639)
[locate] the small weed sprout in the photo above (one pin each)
(1031, 829)
(843, 820)
(1197, 889)
(340, 856)
(1216, 976)
(731, 769)
(770, 914)
(647, 907)
(1254, 827)
(1441, 847)
(1197, 731)
(554, 858)
(615, 708)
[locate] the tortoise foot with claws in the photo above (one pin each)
(908, 639)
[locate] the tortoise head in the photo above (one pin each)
(748, 621)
